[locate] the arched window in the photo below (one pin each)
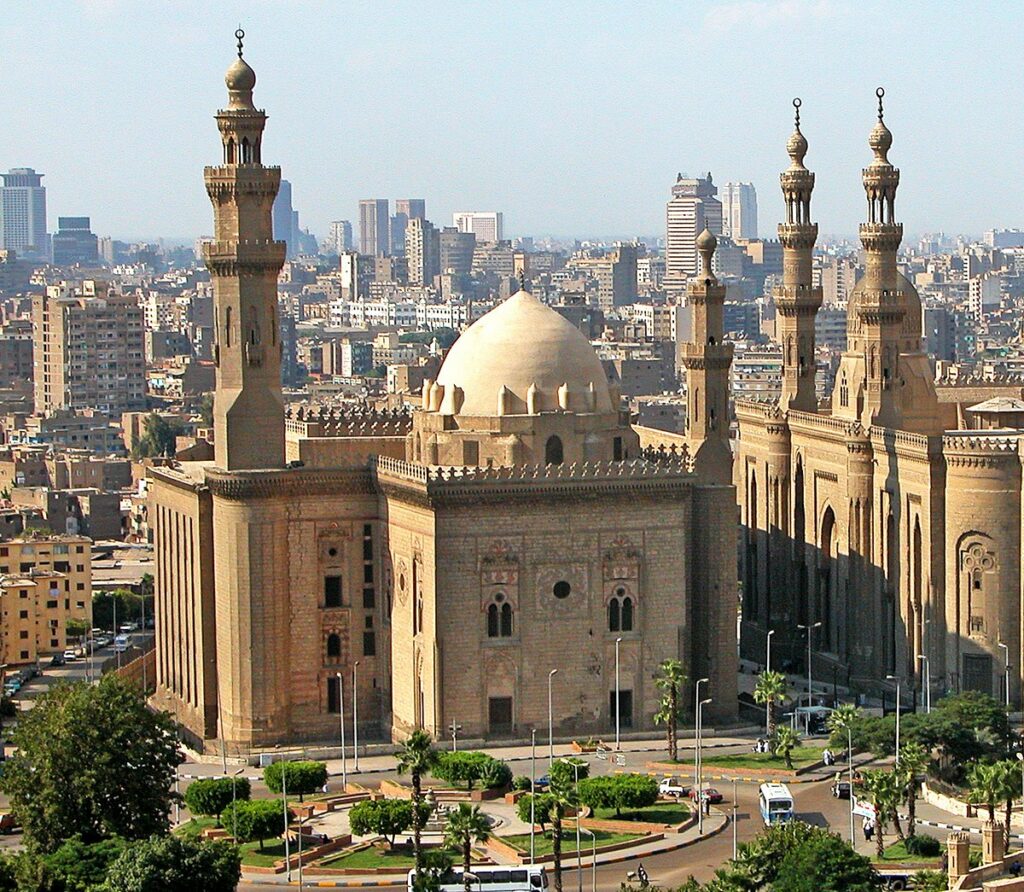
(844, 392)
(227, 327)
(627, 614)
(246, 156)
(506, 620)
(333, 648)
(553, 451)
(229, 151)
(492, 621)
(614, 615)
(620, 612)
(499, 617)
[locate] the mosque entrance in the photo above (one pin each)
(978, 673)
(499, 715)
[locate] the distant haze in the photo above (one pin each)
(571, 118)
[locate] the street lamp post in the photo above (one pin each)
(618, 641)
(927, 683)
(810, 687)
(768, 668)
(234, 801)
(896, 679)
(1006, 673)
(734, 819)
(355, 715)
(341, 723)
(533, 792)
(849, 755)
(551, 722)
(593, 858)
(700, 768)
(284, 803)
(696, 728)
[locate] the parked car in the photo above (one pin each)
(124, 628)
(709, 794)
(7, 822)
(841, 789)
(543, 781)
(673, 786)
(70, 655)
(57, 660)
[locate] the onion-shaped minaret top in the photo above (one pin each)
(797, 144)
(880, 140)
(240, 79)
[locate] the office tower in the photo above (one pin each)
(406, 209)
(487, 226)
(339, 238)
(692, 208)
(422, 251)
(88, 348)
(456, 249)
(283, 218)
(74, 242)
(739, 210)
(615, 274)
(374, 226)
(23, 213)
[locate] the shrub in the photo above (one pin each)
(462, 768)
(496, 775)
(257, 819)
(544, 802)
(925, 846)
(520, 782)
(299, 777)
(597, 792)
(384, 817)
(634, 791)
(176, 864)
(210, 796)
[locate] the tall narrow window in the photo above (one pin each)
(627, 614)
(553, 451)
(492, 621)
(332, 591)
(614, 615)
(334, 648)
(506, 620)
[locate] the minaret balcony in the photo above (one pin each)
(229, 258)
(881, 236)
(800, 236)
(797, 300)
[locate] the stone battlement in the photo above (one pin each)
(359, 422)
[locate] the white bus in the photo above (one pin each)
(121, 643)
(776, 803)
(527, 878)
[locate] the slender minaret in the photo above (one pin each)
(707, 360)
(797, 300)
(244, 261)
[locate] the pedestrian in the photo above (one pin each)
(869, 829)
(1015, 867)
(641, 874)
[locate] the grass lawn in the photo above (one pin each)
(192, 828)
(801, 755)
(659, 813)
(273, 850)
(376, 857)
(543, 841)
(897, 852)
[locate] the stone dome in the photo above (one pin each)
(519, 346)
(880, 141)
(909, 300)
(240, 78)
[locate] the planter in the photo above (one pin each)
(588, 746)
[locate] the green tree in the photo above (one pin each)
(885, 791)
(495, 775)
(210, 796)
(929, 881)
(256, 819)
(92, 760)
(158, 438)
(597, 792)
(384, 817)
(564, 774)
(466, 825)
(176, 864)
(76, 628)
(206, 409)
(842, 718)
(913, 764)
(128, 607)
(770, 690)
(417, 757)
(671, 679)
(466, 767)
(74, 867)
(824, 863)
(986, 787)
(542, 805)
(633, 791)
(786, 740)
(299, 778)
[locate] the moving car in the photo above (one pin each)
(841, 789)
(673, 786)
(709, 794)
(70, 655)
(57, 660)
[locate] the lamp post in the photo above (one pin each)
(618, 641)
(734, 819)
(551, 722)
(533, 792)
(810, 687)
(768, 668)
(895, 679)
(696, 728)
(454, 728)
(579, 857)
(593, 858)
(700, 768)
(849, 755)
(927, 683)
(1006, 673)
(355, 715)
(234, 800)
(284, 803)
(341, 723)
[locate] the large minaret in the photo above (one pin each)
(797, 300)
(707, 360)
(244, 261)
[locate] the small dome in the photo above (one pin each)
(706, 241)
(797, 148)
(880, 141)
(240, 77)
(520, 344)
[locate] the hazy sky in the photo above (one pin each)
(571, 117)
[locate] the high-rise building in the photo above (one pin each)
(88, 349)
(406, 209)
(739, 210)
(339, 238)
(422, 251)
(284, 218)
(457, 251)
(74, 242)
(487, 226)
(615, 274)
(374, 226)
(23, 213)
(692, 208)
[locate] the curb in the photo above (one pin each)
(955, 827)
(730, 778)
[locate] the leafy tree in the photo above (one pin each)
(384, 817)
(913, 763)
(496, 775)
(465, 767)
(986, 787)
(670, 680)
(521, 782)
(176, 864)
(76, 628)
(436, 864)
(92, 760)
(298, 777)
(542, 806)
(417, 757)
(206, 409)
(770, 689)
(158, 438)
(1009, 782)
(786, 740)
(929, 881)
(825, 863)
(210, 796)
(624, 791)
(128, 604)
(466, 825)
(74, 867)
(256, 819)
(597, 792)
(841, 719)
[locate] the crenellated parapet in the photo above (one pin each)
(977, 451)
(326, 421)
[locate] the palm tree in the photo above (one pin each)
(1009, 781)
(417, 756)
(670, 681)
(786, 740)
(913, 762)
(562, 790)
(771, 689)
(466, 825)
(986, 787)
(885, 791)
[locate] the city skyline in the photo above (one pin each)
(635, 127)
